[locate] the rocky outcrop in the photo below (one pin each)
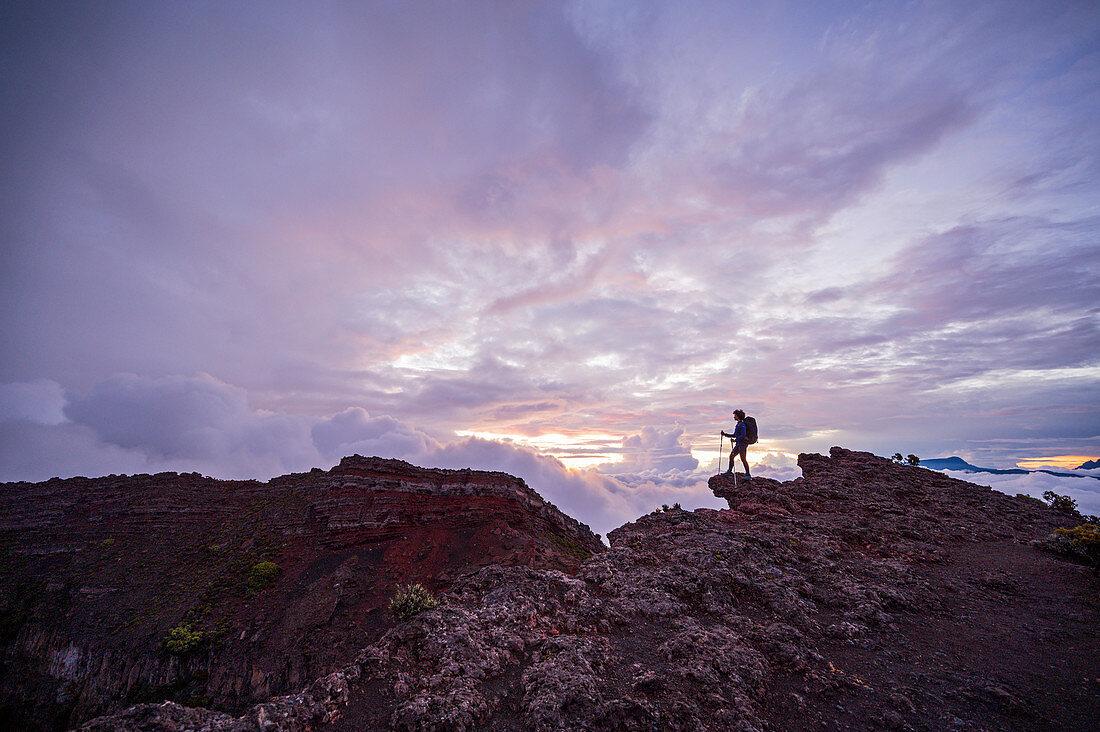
(864, 595)
(96, 574)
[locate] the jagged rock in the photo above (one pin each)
(817, 603)
(95, 573)
(317, 705)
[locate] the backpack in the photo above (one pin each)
(750, 430)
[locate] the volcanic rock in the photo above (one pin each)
(98, 573)
(864, 595)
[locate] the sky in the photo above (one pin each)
(561, 239)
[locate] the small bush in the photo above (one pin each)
(1081, 541)
(912, 460)
(1086, 535)
(261, 576)
(1061, 503)
(411, 600)
(182, 640)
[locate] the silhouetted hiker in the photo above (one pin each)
(740, 439)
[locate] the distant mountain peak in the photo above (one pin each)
(949, 463)
(957, 463)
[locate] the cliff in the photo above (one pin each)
(864, 595)
(268, 585)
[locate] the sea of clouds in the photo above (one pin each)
(1084, 489)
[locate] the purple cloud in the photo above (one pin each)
(377, 226)
(655, 452)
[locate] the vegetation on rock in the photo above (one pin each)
(261, 576)
(183, 640)
(806, 604)
(1081, 541)
(411, 600)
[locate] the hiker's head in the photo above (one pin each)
(739, 414)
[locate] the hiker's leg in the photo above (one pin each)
(733, 453)
(743, 450)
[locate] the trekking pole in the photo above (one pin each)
(721, 444)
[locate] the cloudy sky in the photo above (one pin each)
(562, 239)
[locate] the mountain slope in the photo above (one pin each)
(260, 587)
(864, 595)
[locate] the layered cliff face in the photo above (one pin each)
(127, 589)
(864, 595)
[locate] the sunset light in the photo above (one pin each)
(549, 365)
(559, 239)
(1057, 461)
(575, 451)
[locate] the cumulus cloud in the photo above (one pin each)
(654, 451)
(355, 431)
(567, 218)
(193, 420)
(172, 417)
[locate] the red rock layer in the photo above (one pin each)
(95, 573)
(862, 596)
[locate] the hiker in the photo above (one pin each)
(740, 439)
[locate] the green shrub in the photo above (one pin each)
(411, 600)
(568, 546)
(1061, 503)
(912, 460)
(182, 640)
(1080, 542)
(1085, 537)
(261, 576)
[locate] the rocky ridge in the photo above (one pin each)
(96, 574)
(864, 595)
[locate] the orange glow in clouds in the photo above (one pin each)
(574, 451)
(1060, 461)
